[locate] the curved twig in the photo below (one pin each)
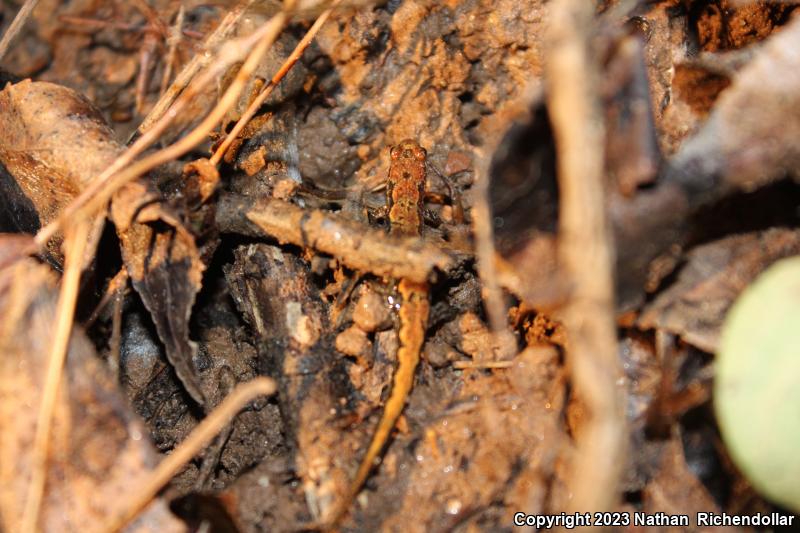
(585, 256)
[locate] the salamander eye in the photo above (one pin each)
(421, 153)
(395, 153)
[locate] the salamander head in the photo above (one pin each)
(408, 149)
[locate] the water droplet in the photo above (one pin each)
(453, 506)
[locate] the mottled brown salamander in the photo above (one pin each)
(404, 197)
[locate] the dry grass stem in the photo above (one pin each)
(485, 252)
(200, 61)
(196, 441)
(95, 197)
(74, 246)
(174, 37)
(267, 90)
(16, 26)
(482, 365)
(103, 187)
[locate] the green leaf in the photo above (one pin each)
(757, 388)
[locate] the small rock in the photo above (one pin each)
(354, 342)
(372, 313)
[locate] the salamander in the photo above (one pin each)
(405, 196)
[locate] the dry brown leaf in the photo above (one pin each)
(98, 449)
(54, 143)
(166, 270)
(676, 490)
(750, 138)
(714, 275)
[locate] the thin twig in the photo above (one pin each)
(149, 45)
(103, 187)
(485, 255)
(151, 15)
(484, 246)
(269, 33)
(16, 26)
(74, 245)
(585, 256)
(196, 441)
(200, 60)
(365, 250)
(82, 23)
(482, 365)
(267, 90)
(174, 37)
(116, 333)
(156, 30)
(115, 286)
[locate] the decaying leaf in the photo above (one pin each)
(750, 137)
(98, 448)
(166, 270)
(712, 278)
(54, 143)
(675, 489)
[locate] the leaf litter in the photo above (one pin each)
(260, 250)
